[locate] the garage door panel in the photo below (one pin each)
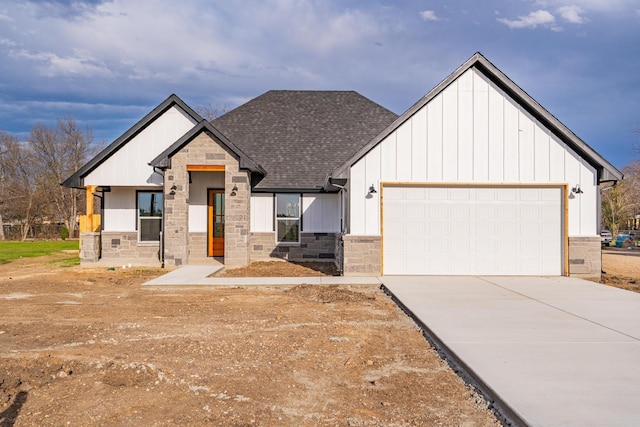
(415, 193)
(416, 245)
(439, 211)
(507, 195)
(415, 209)
(438, 193)
(473, 230)
(460, 210)
(440, 229)
(508, 211)
(529, 211)
(549, 212)
(461, 230)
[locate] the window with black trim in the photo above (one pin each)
(288, 218)
(150, 205)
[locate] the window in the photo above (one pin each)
(149, 216)
(288, 218)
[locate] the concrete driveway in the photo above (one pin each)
(558, 351)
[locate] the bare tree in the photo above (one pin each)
(23, 197)
(210, 113)
(614, 209)
(60, 152)
(631, 187)
(3, 181)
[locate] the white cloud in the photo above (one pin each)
(53, 65)
(532, 20)
(429, 15)
(572, 14)
(7, 42)
(602, 6)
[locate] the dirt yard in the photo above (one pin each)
(622, 268)
(89, 348)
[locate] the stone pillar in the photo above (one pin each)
(585, 257)
(176, 216)
(237, 221)
(362, 255)
(89, 248)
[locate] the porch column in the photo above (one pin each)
(90, 222)
(89, 230)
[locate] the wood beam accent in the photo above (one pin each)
(205, 168)
(91, 221)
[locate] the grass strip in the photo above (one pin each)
(10, 251)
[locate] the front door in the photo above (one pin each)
(215, 214)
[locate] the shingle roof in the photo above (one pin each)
(298, 137)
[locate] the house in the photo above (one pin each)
(475, 178)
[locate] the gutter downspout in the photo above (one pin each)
(164, 209)
(343, 228)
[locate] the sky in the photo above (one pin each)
(108, 63)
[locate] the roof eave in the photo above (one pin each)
(318, 189)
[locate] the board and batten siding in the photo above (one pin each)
(120, 208)
(262, 212)
(320, 212)
(472, 132)
(129, 166)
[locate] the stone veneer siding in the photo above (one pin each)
(312, 247)
(362, 255)
(585, 257)
(89, 248)
(197, 247)
(203, 150)
(124, 245)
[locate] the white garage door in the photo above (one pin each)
(473, 230)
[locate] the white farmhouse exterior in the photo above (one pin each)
(476, 178)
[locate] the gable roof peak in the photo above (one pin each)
(76, 180)
(606, 171)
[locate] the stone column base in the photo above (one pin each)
(585, 257)
(362, 255)
(89, 248)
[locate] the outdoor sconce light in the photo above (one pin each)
(173, 189)
(372, 189)
(577, 189)
(234, 190)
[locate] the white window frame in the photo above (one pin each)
(140, 218)
(278, 219)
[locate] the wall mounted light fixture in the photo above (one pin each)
(234, 190)
(372, 189)
(173, 189)
(577, 189)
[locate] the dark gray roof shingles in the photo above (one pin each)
(299, 137)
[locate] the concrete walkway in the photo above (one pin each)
(197, 275)
(558, 351)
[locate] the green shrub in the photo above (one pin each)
(64, 233)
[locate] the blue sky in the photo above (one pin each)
(108, 63)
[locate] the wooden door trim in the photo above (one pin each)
(211, 250)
